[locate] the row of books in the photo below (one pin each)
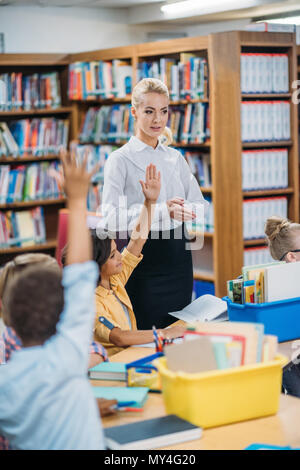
(264, 73)
(189, 124)
(28, 182)
(107, 124)
(256, 211)
(268, 282)
(264, 169)
(265, 121)
(206, 225)
(99, 80)
(19, 91)
(257, 255)
(200, 166)
(226, 344)
(22, 228)
(186, 78)
(38, 137)
(114, 123)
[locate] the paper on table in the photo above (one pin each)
(152, 345)
(204, 308)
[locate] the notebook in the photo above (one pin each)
(136, 395)
(204, 308)
(108, 371)
(151, 433)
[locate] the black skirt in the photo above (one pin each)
(163, 281)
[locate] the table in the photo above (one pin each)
(282, 429)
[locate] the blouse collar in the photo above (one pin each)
(138, 145)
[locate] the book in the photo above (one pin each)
(204, 308)
(108, 371)
(281, 282)
(137, 395)
(181, 357)
(151, 433)
(252, 332)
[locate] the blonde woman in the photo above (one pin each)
(163, 281)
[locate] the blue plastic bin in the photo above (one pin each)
(281, 318)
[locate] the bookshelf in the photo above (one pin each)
(222, 256)
(28, 65)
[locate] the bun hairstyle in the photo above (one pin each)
(281, 235)
(152, 85)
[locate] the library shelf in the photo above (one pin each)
(255, 241)
(225, 145)
(266, 95)
(268, 192)
(36, 202)
(275, 143)
(36, 112)
(29, 64)
(28, 158)
(204, 275)
(49, 245)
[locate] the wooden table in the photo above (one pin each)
(282, 429)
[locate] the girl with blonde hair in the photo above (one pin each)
(163, 281)
(283, 239)
(284, 244)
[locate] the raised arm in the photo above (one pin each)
(151, 190)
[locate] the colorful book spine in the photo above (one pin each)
(24, 228)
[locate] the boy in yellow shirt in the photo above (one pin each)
(115, 323)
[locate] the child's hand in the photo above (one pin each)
(106, 407)
(151, 188)
(75, 179)
(174, 332)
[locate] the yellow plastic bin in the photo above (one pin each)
(215, 398)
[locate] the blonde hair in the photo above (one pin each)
(281, 236)
(12, 269)
(152, 85)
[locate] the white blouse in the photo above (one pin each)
(122, 193)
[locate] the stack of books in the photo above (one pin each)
(113, 124)
(22, 228)
(265, 283)
(100, 80)
(186, 78)
(264, 169)
(256, 212)
(264, 73)
(219, 346)
(36, 137)
(264, 121)
(25, 92)
(28, 182)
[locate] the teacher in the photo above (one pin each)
(163, 281)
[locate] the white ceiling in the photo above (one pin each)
(81, 3)
(148, 11)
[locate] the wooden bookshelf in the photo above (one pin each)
(36, 202)
(29, 64)
(222, 50)
(224, 248)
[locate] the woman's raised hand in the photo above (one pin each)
(151, 187)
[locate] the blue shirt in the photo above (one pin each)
(46, 400)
